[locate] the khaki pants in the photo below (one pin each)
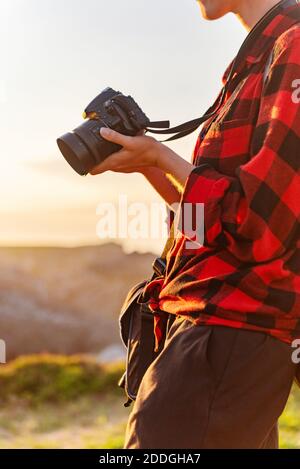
(212, 387)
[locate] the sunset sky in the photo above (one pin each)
(55, 57)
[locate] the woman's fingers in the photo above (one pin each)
(135, 152)
(115, 137)
(107, 165)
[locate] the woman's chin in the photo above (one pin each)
(213, 10)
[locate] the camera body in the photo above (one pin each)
(84, 148)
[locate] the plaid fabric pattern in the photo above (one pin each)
(246, 273)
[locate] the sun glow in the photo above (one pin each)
(50, 71)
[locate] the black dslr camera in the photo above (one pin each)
(84, 148)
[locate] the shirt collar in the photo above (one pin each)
(260, 41)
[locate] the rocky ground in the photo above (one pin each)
(65, 300)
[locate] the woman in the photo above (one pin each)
(225, 373)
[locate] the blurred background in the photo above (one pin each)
(61, 287)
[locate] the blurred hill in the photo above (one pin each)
(65, 300)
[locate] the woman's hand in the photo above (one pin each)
(138, 153)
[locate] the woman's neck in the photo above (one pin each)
(249, 12)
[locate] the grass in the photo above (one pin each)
(53, 378)
(290, 422)
(89, 422)
(51, 401)
(74, 402)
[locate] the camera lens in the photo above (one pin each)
(76, 153)
(84, 148)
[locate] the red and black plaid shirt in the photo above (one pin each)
(246, 273)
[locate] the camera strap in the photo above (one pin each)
(159, 264)
(232, 81)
